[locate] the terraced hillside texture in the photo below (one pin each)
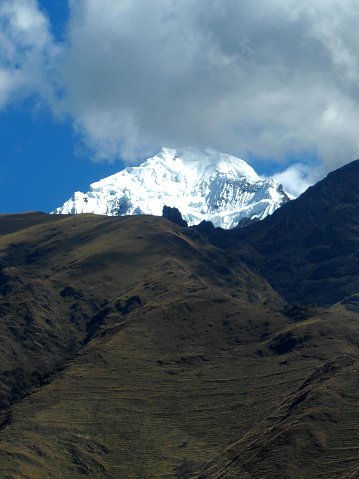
(133, 348)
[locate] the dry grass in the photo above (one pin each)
(157, 356)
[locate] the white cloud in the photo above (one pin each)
(268, 77)
(26, 23)
(27, 52)
(9, 81)
(298, 177)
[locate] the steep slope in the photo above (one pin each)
(114, 328)
(312, 433)
(57, 274)
(147, 352)
(308, 249)
(203, 185)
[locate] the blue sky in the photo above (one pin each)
(41, 162)
(39, 165)
(88, 87)
(59, 13)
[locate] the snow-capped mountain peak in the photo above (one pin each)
(202, 184)
(207, 162)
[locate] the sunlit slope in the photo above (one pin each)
(58, 272)
(131, 348)
(314, 431)
(135, 305)
(202, 184)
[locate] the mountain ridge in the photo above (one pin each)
(155, 354)
(132, 347)
(308, 247)
(203, 185)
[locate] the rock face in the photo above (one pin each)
(174, 215)
(203, 185)
(307, 250)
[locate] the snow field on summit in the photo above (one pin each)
(203, 185)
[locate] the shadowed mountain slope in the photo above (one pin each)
(132, 348)
(308, 250)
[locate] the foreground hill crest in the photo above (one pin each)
(203, 185)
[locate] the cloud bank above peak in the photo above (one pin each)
(271, 79)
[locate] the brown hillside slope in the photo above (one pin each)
(308, 249)
(134, 349)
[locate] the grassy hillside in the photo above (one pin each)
(132, 348)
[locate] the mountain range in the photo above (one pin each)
(133, 347)
(203, 185)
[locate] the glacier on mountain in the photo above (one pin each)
(203, 185)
